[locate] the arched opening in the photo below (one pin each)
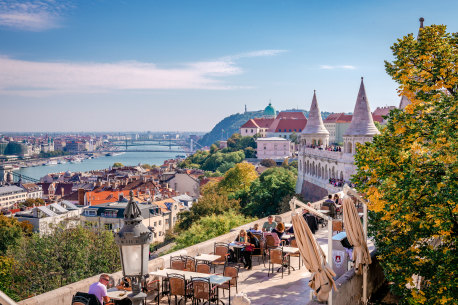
(348, 148)
(300, 165)
(333, 172)
(320, 142)
(341, 175)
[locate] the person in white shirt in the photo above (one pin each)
(99, 289)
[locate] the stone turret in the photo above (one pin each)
(404, 102)
(362, 128)
(314, 132)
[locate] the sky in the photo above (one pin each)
(112, 65)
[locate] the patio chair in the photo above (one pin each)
(204, 267)
(294, 244)
(337, 226)
(82, 298)
(190, 263)
(276, 256)
(221, 249)
(202, 289)
(177, 263)
(152, 288)
(178, 287)
(260, 250)
(233, 273)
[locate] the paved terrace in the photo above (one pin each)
(292, 289)
(264, 290)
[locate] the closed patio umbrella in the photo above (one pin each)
(314, 259)
(355, 236)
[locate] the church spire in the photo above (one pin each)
(404, 102)
(421, 26)
(362, 123)
(315, 122)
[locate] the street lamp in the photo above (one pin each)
(133, 240)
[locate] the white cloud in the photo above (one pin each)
(259, 53)
(345, 67)
(30, 78)
(32, 15)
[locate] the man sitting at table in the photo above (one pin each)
(99, 289)
(331, 205)
(269, 225)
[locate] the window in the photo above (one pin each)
(290, 130)
(90, 212)
(108, 226)
(294, 129)
(155, 223)
(160, 222)
(166, 221)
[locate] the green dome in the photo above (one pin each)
(269, 111)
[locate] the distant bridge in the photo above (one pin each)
(143, 150)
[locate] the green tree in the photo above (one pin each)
(11, 231)
(268, 191)
(118, 164)
(209, 227)
(409, 172)
(238, 178)
(31, 202)
(268, 163)
(67, 255)
(213, 201)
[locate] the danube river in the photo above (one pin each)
(128, 158)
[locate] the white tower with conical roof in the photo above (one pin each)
(314, 133)
(362, 128)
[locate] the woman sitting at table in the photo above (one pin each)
(279, 230)
(250, 242)
(255, 229)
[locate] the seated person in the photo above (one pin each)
(331, 205)
(269, 225)
(250, 242)
(255, 229)
(279, 229)
(99, 289)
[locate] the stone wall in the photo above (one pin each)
(312, 192)
(350, 286)
(63, 295)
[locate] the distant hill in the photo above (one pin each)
(231, 124)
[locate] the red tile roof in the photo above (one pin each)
(338, 118)
(291, 115)
(290, 125)
(382, 111)
(263, 122)
(250, 124)
(96, 198)
(377, 118)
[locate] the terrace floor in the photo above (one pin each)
(264, 290)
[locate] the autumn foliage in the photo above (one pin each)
(409, 172)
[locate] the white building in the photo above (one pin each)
(45, 218)
(316, 165)
(274, 148)
(10, 195)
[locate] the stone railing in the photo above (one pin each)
(350, 285)
(63, 295)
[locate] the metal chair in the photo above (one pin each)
(82, 298)
(294, 244)
(221, 249)
(233, 273)
(203, 267)
(261, 248)
(276, 256)
(203, 290)
(178, 287)
(177, 263)
(190, 263)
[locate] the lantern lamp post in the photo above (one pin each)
(133, 240)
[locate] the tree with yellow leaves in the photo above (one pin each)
(409, 172)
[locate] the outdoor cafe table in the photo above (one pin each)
(286, 236)
(207, 257)
(290, 250)
(237, 249)
(188, 275)
(117, 295)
